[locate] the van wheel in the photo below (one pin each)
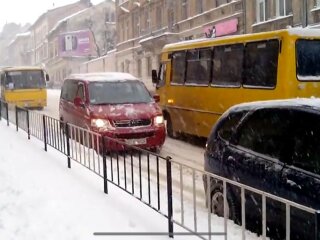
(217, 205)
(169, 128)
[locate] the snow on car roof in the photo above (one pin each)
(103, 76)
(295, 102)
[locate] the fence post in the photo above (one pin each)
(28, 124)
(44, 132)
(17, 119)
(7, 112)
(104, 158)
(68, 143)
(317, 225)
(169, 193)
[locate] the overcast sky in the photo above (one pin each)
(23, 11)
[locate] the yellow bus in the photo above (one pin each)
(199, 79)
(24, 86)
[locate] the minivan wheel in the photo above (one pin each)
(217, 205)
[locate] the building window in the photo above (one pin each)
(220, 2)
(122, 67)
(262, 10)
(122, 32)
(136, 24)
(127, 66)
(127, 30)
(283, 7)
(317, 3)
(159, 17)
(184, 13)
(199, 6)
(170, 19)
(139, 68)
(146, 20)
(149, 66)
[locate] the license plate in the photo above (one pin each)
(136, 141)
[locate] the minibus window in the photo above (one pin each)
(308, 60)
(178, 67)
(261, 63)
(228, 65)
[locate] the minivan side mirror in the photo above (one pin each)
(154, 74)
(156, 98)
(78, 102)
(47, 77)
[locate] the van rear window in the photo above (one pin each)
(118, 93)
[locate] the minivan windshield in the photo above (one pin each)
(118, 92)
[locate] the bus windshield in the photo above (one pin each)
(28, 79)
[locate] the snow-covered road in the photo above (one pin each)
(180, 151)
(40, 198)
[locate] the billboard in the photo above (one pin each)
(75, 44)
(222, 28)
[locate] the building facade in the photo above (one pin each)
(80, 37)
(144, 27)
(40, 29)
(266, 15)
(18, 50)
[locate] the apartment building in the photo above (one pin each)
(80, 37)
(18, 50)
(40, 29)
(144, 27)
(266, 15)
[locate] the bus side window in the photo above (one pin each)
(178, 67)
(162, 75)
(199, 66)
(261, 63)
(228, 65)
(1, 84)
(1, 79)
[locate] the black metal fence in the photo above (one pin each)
(4, 111)
(171, 188)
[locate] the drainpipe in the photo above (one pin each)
(305, 13)
(244, 11)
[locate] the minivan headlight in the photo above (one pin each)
(158, 120)
(101, 124)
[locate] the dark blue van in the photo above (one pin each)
(273, 146)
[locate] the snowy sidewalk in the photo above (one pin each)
(40, 198)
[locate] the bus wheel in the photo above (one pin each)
(169, 127)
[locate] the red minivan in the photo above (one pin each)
(114, 104)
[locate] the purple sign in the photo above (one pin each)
(74, 44)
(222, 28)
